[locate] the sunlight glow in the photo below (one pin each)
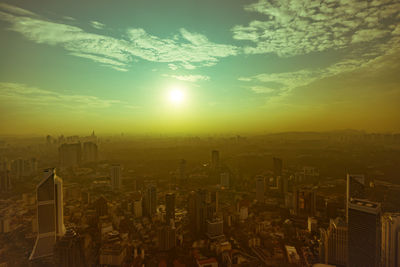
(176, 96)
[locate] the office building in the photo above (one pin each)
(364, 233)
(215, 228)
(355, 188)
(225, 180)
(260, 189)
(215, 159)
(170, 208)
(166, 237)
(69, 250)
(70, 155)
(336, 243)
(390, 240)
(50, 220)
(150, 199)
(305, 202)
(277, 167)
(115, 174)
(89, 152)
(5, 180)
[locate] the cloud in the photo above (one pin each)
(189, 78)
(97, 25)
(297, 27)
(27, 95)
(187, 49)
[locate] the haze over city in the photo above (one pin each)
(184, 133)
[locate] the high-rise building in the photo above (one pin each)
(115, 174)
(137, 206)
(355, 188)
(305, 202)
(224, 179)
(214, 227)
(260, 184)
(101, 206)
(364, 233)
(182, 172)
(70, 155)
(390, 240)
(215, 159)
(69, 250)
(336, 243)
(166, 237)
(89, 152)
(150, 199)
(200, 211)
(50, 220)
(5, 180)
(277, 167)
(170, 208)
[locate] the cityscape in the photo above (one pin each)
(212, 133)
(295, 199)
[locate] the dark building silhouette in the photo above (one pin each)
(89, 152)
(215, 159)
(70, 155)
(364, 233)
(68, 251)
(5, 180)
(278, 165)
(169, 208)
(50, 220)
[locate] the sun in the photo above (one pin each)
(176, 96)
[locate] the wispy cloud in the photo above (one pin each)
(294, 27)
(188, 50)
(97, 25)
(189, 78)
(27, 95)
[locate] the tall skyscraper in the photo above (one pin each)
(50, 220)
(336, 243)
(277, 162)
(391, 240)
(166, 237)
(70, 155)
(89, 152)
(5, 180)
(305, 202)
(260, 184)
(364, 233)
(69, 250)
(182, 172)
(170, 208)
(115, 174)
(150, 199)
(355, 188)
(215, 159)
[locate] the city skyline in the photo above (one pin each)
(183, 67)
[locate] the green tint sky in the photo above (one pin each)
(244, 66)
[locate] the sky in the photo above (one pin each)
(241, 66)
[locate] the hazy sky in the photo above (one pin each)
(243, 66)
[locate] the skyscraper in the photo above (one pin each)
(215, 159)
(5, 180)
(115, 174)
(364, 233)
(89, 152)
(70, 155)
(355, 188)
(50, 220)
(277, 167)
(336, 242)
(169, 208)
(69, 250)
(260, 189)
(150, 199)
(391, 240)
